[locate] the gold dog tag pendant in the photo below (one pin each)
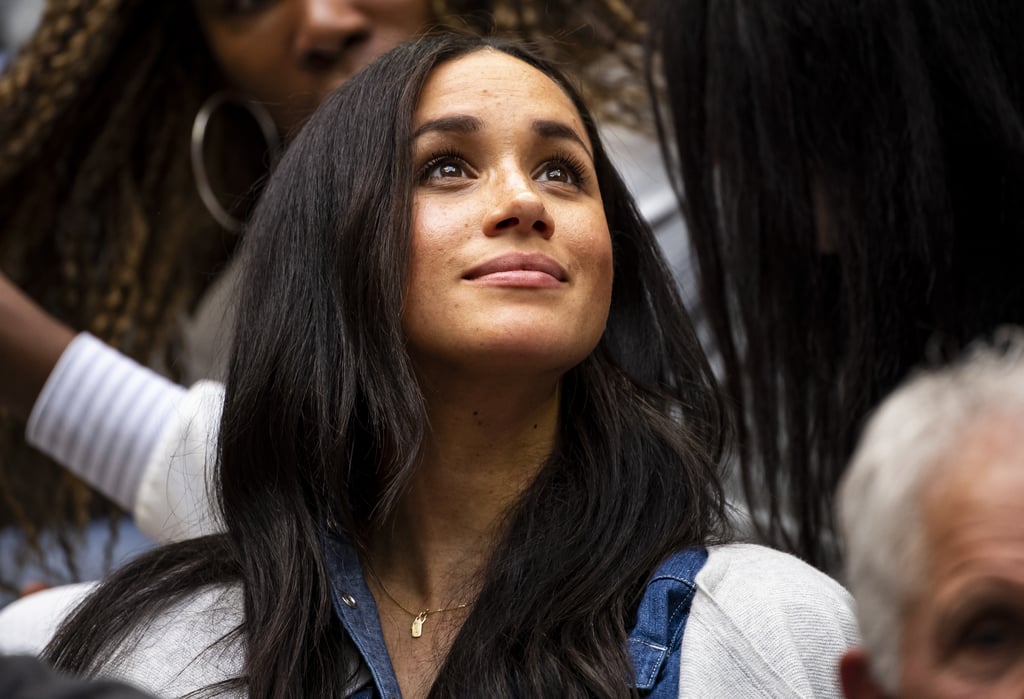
(417, 624)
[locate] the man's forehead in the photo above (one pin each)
(975, 496)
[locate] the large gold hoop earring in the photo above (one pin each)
(197, 147)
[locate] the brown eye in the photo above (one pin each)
(563, 169)
(557, 173)
(446, 165)
(446, 169)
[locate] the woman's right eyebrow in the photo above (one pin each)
(461, 124)
(559, 130)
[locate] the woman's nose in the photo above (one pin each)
(519, 207)
(326, 29)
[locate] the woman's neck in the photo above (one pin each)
(486, 441)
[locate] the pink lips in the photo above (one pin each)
(519, 269)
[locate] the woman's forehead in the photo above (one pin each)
(491, 83)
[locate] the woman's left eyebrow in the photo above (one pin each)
(458, 124)
(556, 129)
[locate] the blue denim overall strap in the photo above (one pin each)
(654, 643)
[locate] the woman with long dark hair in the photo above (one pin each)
(470, 445)
(850, 174)
(134, 139)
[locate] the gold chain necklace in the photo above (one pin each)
(418, 619)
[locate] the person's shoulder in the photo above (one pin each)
(752, 585)
(28, 624)
(191, 644)
(758, 574)
(188, 645)
(766, 623)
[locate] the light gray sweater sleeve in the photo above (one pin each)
(178, 651)
(100, 415)
(175, 499)
(765, 624)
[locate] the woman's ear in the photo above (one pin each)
(855, 676)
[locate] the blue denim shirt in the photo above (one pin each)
(653, 644)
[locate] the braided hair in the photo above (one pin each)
(95, 116)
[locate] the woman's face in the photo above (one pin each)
(289, 54)
(511, 261)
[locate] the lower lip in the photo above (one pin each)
(518, 279)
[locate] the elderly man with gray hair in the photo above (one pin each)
(932, 514)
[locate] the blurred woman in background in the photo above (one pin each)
(850, 173)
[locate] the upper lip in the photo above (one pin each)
(518, 261)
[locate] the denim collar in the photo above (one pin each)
(355, 606)
(653, 643)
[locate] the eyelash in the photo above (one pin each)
(569, 161)
(436, 159)
(573, 164)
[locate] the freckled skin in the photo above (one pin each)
(508, 285)
(502, 199)
(963, 636)
(288, 54)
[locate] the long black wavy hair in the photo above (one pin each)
(323, 418)
(850, 171)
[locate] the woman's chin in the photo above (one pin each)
(503, 358)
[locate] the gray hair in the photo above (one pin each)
(906, 442)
